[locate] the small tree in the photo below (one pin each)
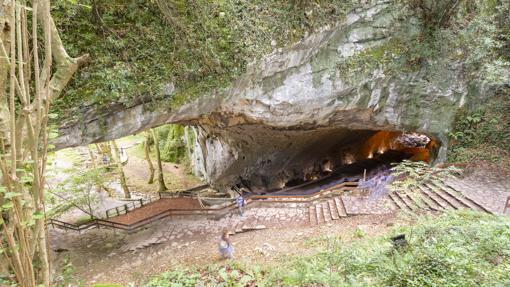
(146, 147)
(161, 179)
(120, 169)
(29, 82)
(78, 190)
(412, 174)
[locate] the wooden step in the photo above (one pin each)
(428, 202)
(340, 207)
(239, 227)
(320, 216)
(451, 200)
(312, 215)
(326, 212)
(394, 201)
(467, 202)
(416, 201)
(407, 206)
(434, 197)
(333, 209)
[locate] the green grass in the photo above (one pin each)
(84, 219)
(70, 155)
(462, 248)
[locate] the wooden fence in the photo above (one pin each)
(130, 205)
(217, 212)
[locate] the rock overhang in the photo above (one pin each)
(301, 90)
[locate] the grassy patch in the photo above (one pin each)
(461, 248)
(84, 219)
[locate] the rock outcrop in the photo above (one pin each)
(298, 105)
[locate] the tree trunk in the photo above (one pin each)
(92, 157)
(120, 170)
(148, 158)
(161, 179)
(28, 83)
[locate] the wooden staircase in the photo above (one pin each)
(326, 210)
(433, 197)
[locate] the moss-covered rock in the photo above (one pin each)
(383, 67)
(175, 50)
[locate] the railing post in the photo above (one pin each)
(141, 202)
(126, 208)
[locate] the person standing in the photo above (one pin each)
(241, 202)
(225, 246)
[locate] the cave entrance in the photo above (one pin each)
(311, 160)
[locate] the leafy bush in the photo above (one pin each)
(462, 248)
(412, 174)
(172, 144)
(483, 133)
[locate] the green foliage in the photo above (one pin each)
(474, 34)
(483, 133)
(235, 275)
(462, 248)
(172, 143)
(76, 190)
(84, 219)
(139, 47)
(67, 277)
(411, 174)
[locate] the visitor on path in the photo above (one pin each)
(241, 202)
(225, 246)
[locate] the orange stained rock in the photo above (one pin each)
(418, 153)
(379, 143)
(383, 141)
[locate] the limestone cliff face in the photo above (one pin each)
(299, 104)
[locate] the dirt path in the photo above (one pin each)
(97, 256)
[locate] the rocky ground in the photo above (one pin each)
(102, 256)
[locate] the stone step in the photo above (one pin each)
(340, 207)
(333, 209)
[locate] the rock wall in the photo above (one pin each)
(301, 101)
